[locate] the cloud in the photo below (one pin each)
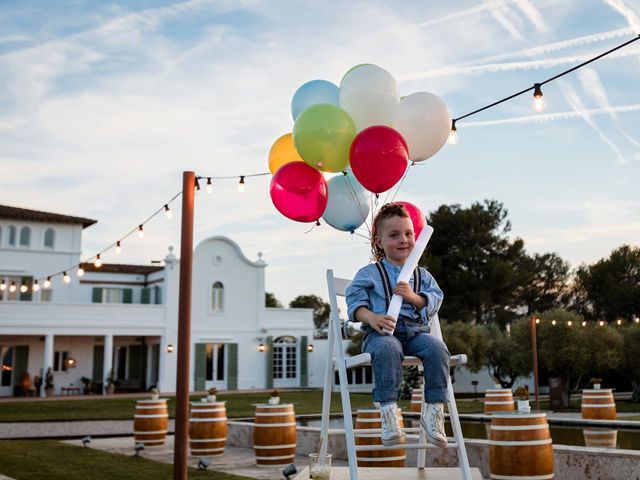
(627, 12)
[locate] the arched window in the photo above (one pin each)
(49, 237)
(25, 236)
(217, 297)
(12, 236)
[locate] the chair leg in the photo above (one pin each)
(457, 433)
(326, 398)
(422, 453)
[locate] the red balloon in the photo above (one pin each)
(378, 157)
(417, 218)
(299, 192)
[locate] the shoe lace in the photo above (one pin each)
(390, 420)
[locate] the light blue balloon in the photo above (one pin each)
(312, 93)
(348, 205)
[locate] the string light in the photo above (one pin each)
(619, 322)
(12, 287)
(47, 282)
(537, 321)
(118, 248)
(553, 322)
(538, 102)
(3, 286)
(23, 288)
(453, 134)
(80, 272)
(98, 262)
(584, 323)
(601, 323)
(209, 185)
(66, 278)
(167, 212)
(140, 231)
(637, 320)
(569, 323)
(197, 184)
(35, 287)
(241, 184)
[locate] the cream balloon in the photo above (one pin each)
(370, 95)
(424, 121)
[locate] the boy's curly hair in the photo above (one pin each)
(388, 210)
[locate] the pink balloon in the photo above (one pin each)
(299, 192)
(379, 157)
(417, 218)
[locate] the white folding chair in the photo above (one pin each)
(337, 361)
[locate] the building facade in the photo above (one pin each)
(121, 321)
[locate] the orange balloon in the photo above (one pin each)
(282, 152)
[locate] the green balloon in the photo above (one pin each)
(322, 134)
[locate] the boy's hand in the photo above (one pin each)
(405, 291)
(380, 323)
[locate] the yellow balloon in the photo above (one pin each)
(282, 152)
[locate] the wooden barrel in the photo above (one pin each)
(368, 419)
(150, 422)
(498, 400)
(600, 437)
(416, 400)
(207, 429)
(598, 404)
(520, 446)
(274, 434)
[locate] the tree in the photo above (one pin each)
(506, 359)
(321, 309)
(542, 282)
(468, 339)
(271, 301)
(474, 262)
(610, 288)
(631, 358)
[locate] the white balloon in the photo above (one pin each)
(370, 95)
(348, 203)
(424, 121)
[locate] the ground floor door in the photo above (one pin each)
(216, 366)
(285, 363)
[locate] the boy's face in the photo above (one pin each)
(395, 237)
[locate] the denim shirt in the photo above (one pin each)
(367, 290)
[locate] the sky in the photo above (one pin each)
(103, 105)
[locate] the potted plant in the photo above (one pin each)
(49, 387)
(86, 381)
(211, 396)
(596, 382)
(155, 393)
(110, 382)
(522, 399)
(275, 398)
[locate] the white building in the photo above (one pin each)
(124, 318)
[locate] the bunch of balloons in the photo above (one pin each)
(363, 129)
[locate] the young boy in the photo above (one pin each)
(368, 298)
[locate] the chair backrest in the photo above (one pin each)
(341, 284)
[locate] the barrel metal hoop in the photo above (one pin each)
(518, 443)
(538, 426)
(273, 447)
(274, 424)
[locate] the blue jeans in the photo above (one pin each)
(388, 351)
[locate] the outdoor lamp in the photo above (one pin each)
(203, 463)
(70, 362)
(118, 248)
(538, 102)
(98, 262)
(12, 287)
(167, 211)
(453, 134)
(241, 184)
(170, 348)
(140, 231)
(310, 347)
(3, 286)
(261, 347)
(66, 278)
(35, 287)
(23, 288)
(80, 271)
(138, 447)
(86, 440)
(47, 282)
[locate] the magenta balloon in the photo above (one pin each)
(378, 157)
(417, 218)
(299, 192)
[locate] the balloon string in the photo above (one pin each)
(356, 200)
(402, 181)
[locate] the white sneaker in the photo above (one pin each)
(432, 420)
(391, 432)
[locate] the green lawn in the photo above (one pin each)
(238, 405)
(38, 459)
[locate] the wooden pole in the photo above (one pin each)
(180, 452)
(534, 347)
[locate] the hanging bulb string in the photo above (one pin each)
(550, 79)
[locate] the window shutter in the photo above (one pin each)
(200, 366)
(28, 281)
(136, 362)
(269, 362)
(98, 363)
(96, 297)
(20, 366)
(158, 291)
(145, 295)
(304, 378)
(232, 366)
(127, 295)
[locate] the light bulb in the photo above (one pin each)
(584, 324)
(241, 185)
(209, 185)
(569, 323)
(35, 287)
(66, 278)
(140, 231)
(619, 322)
(12, 287)
(538, 101)
(637, 319)
(601, 322)
(23, 288)
(553, 322)
(537, 321)
(118, 248)
(80, 271)
(98, 262)
(3, 286)
(197, 184)
(453, 134)
(47, 282)
(167, 211)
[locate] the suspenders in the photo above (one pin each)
(386, 283)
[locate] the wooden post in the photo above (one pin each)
(180, 452)
(534, 347)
